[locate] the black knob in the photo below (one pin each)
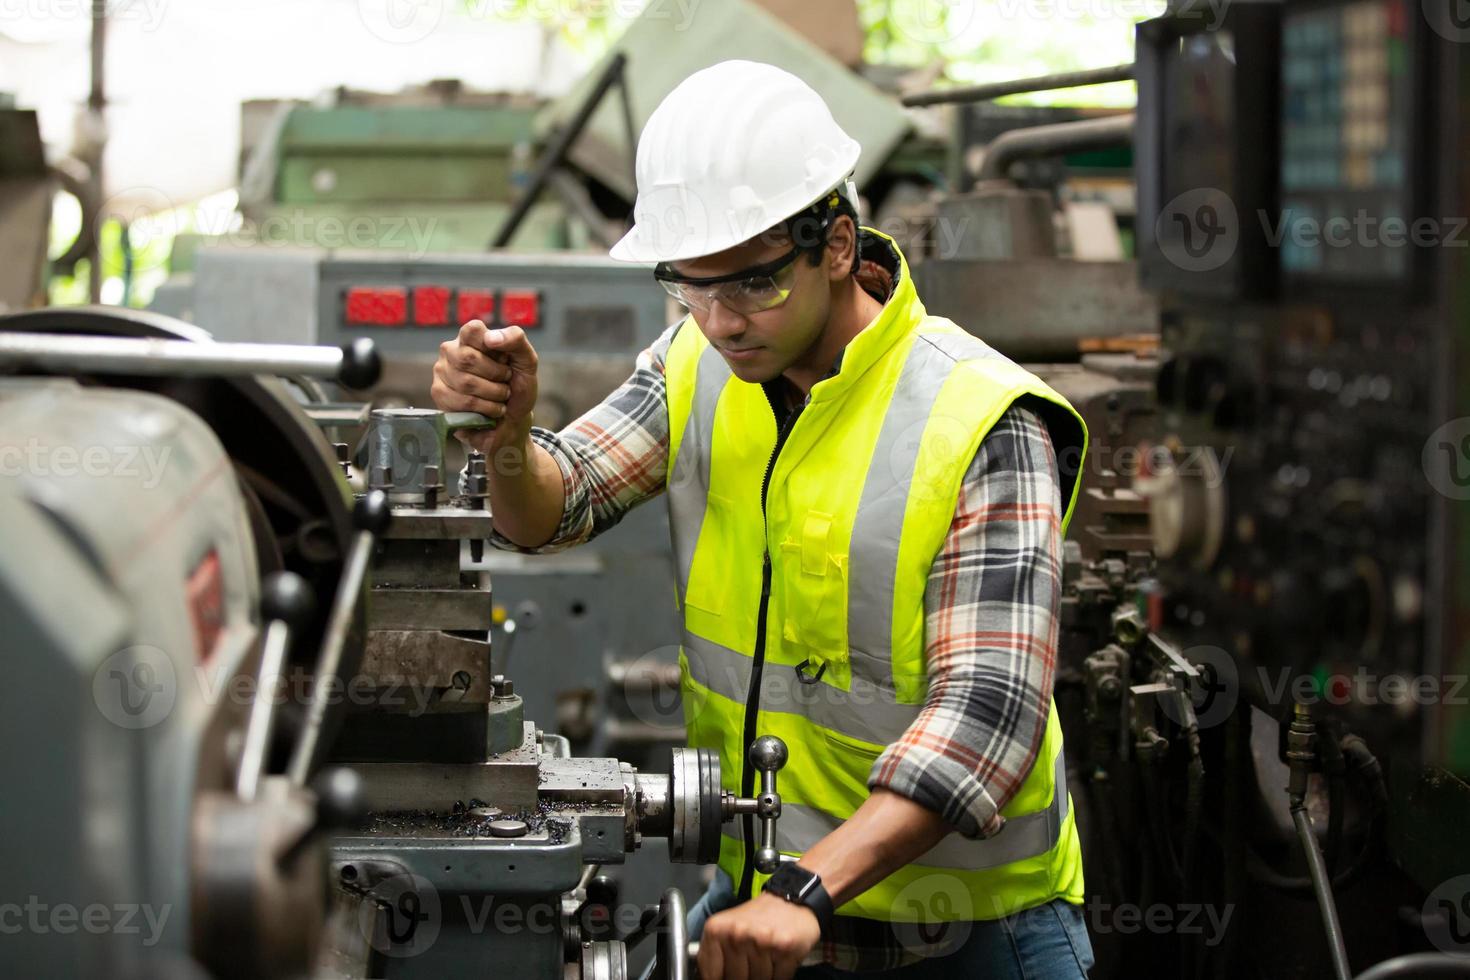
(361, 366)
(340, 801)
(372, 512)
(287, 597)
(602, 890)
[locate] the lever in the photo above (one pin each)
(286, 607)
(370, 516)
(767, 754)
(355, 365)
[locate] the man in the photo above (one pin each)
(866, 511)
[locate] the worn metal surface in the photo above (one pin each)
(996, 222)
(443, 609)
(510, 779)
(1038, 309)
(430, 659)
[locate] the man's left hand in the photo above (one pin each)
(764, 939)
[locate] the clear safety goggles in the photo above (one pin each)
(760, 287)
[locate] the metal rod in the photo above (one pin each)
(1037, 83)
(1417, 966)
(174, 358)
(262, 711)
(96, 114)
(344, 604)
(1038, 141)
(557, 151)
(674, 951)
(1320, 884)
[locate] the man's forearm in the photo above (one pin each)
(887, 832)
(527, 494)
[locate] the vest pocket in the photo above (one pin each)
(813, 591)
(868, 750)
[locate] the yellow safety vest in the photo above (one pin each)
(818, 598)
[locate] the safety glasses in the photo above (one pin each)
(760, 287)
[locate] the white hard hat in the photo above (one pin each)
(735, 149)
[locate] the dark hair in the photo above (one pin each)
(808, 228)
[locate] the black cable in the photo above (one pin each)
(1355, 753)
(1336, 772)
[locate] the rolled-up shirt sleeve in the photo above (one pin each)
(611, 459)
(991, 624)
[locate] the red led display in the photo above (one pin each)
(476, 304)
(521, 307)
(380, 306)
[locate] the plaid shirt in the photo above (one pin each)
(991, 608)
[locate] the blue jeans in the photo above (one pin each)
(1048, 942)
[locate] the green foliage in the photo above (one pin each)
(993, 40)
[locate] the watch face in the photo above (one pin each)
(791, 880)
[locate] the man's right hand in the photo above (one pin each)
(493, 372)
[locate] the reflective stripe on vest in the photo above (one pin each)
(800, 827)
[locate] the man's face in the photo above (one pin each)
(760, 346)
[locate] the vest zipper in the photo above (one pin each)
(752, 696)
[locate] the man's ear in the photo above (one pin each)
(841, 247)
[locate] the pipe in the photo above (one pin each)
(557, 152)
(97, 120)
(1040, 141)
(1418, 965)
(1037, 83)
(1336, 943)
(1301, 752)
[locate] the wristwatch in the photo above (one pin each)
(800, 887)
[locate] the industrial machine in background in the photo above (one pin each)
(27, 185)
(1274, 712)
